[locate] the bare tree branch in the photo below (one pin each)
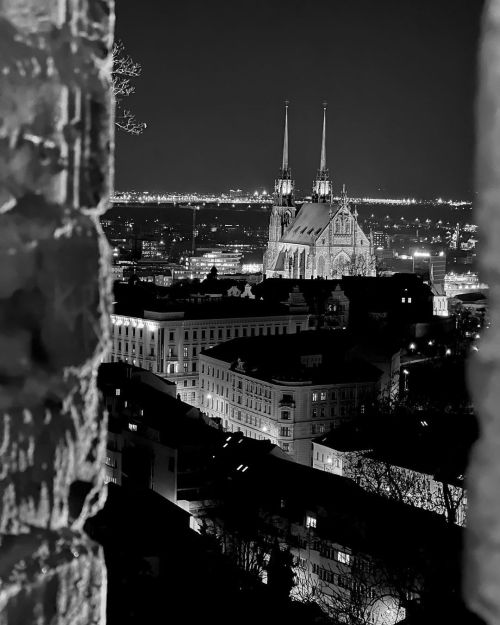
(125, 69)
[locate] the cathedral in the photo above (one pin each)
(321, 239)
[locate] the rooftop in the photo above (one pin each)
(219, 308)
(312, 357)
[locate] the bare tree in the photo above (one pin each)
(243, 542)
(125, 69)
(358, 593)
(411, 487)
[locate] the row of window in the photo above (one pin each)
(132, 349)
(133, 332)
(249, 402)
(344, 581)
(222, 334)
(318, 428)
(348, 393)
(334, 411)
(335, 554)
(335, 461)
(249, 418)
(234, 333)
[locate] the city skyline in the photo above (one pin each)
(399, 86)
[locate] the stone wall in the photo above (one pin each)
(482, 558)
(56, 143)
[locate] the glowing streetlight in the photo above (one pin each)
(413, 346)
(406, 373)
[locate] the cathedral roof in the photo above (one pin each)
(310, 222)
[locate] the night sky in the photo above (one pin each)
(398, 76)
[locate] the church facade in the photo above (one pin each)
(321, 239)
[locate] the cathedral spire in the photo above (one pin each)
(322, 189)
(322, 164)
(284, 165)
(283, 187)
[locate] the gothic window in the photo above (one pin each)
(321, 266)
(342, 224)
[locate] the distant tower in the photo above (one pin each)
(283, 210)
(322, 188)
(284, 186)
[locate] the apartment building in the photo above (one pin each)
(168, 342)
(286, 389)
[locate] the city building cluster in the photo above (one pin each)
(285, 380)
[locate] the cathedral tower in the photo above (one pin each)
(322, 188)
(284, 186)
(283, 210)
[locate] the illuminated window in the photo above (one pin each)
(345, 558)
(132, 427)
(117, 392)
(310, 521)
(185, 352)
(315, 396)
(323, 395)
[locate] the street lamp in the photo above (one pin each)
(406, 373)
(413, 346)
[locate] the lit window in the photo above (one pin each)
(310, 521)
(323, 395)
(132, 427)
(315, 396)
(117, 392)
(345, 558)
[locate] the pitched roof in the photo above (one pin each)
(311, 220)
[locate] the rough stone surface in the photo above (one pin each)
(482, 559)
(56, 142)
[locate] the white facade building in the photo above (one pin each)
(169, 343)
(288, 412)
